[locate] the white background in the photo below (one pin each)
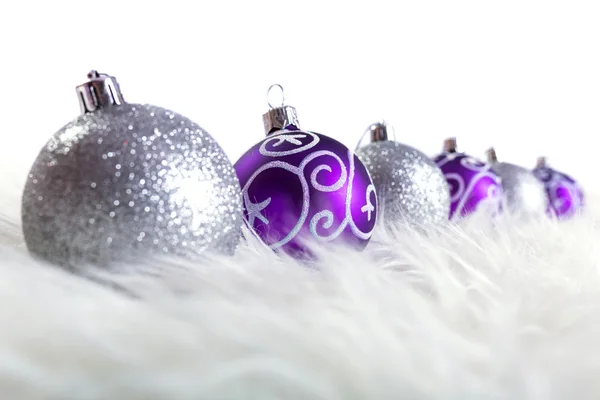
(523, 76)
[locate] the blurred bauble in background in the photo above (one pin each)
(123, 181)
(410, 186)
(300, 188)
(523, 193)
(473, 184)
(565, 196)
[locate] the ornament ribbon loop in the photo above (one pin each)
(282, 103)
(378, 132)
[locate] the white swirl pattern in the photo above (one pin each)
(493, 202)
(322, 219)
(254, 209)
(557, 202)
(460, 191)
(457, 186)
(554, 181)
(474, 164)
(291, 137)
(328, 214)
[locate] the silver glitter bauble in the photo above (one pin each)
(410, 186)
(125, 180)
(523, 193)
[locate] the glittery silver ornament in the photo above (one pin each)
(123, 181)
(523, 193)
(410, 186)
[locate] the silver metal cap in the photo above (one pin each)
(491, 155)
(100, 91)
(281, 116)
(379, 132)
(450, 145)
(541, 162)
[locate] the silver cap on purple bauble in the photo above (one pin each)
(100, 91)
(279, 117)
(450, 145)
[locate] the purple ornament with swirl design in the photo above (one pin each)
(302, 187)
(565, 196)
(473, 184)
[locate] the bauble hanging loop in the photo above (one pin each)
(124, 181)
(280, 117)
(523, 194)
(376, 132)
(302, 188)
(410, 187)
(473, 184)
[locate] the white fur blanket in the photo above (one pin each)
(478, 311)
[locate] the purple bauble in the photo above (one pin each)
(302, 187)
(473, 184)
(565, 197)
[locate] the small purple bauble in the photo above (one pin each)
(565, 197)
(302, 187)
(473, 184)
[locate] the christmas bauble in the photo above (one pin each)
(473, 183)
(523, 193)
(302, 187)
(565, 196)
(410, 186)
(127, 180)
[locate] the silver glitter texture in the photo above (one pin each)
(524, 194)
(130, 181)
(410, 186)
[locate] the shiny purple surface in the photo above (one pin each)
(565, 197)
(302, 187)
(473, 184)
